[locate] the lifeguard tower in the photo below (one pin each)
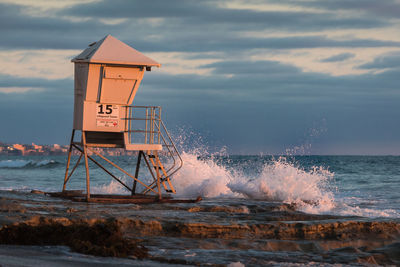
(107, 76)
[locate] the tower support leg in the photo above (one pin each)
(86, 166)
(157, 167)
(137, 172)
(68, 160)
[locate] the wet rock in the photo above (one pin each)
(202, 230)
(367, 260)
(236, 264)
(389, 254)
(347, 250)
(37, 192)
(138, 227)
(254, 233)
(102, 238)
(226, 209)
(71, 210)
(287, 231)
(11, 206)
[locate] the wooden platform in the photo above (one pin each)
(80, 196)
(143, 147)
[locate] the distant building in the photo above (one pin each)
(10, 150)
(55, 149)
(19, 147)
(37, 147)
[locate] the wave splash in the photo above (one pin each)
(19, 163)
(279, 181)
(284, 182)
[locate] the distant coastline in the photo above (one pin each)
(54, 149)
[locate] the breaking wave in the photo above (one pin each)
(19, 163)
(312, 190)
(279, 181)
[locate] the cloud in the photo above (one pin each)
(386, 61)
(228, 44)
(20, 30)
(339, 57)
(16, 81)
(385, 9)
(40, 63)
(213, 12)
(281, 100)
(184, 26)
(265, 68)
(266, 82)
(19, 90)
(248, 78)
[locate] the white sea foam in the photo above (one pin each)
(202, 178)
(113, 187)
(278, 180)
(284, 182)
(312, 191)
(347, 210)
(45, 162)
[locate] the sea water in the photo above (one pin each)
(367, 186)
(359, 195)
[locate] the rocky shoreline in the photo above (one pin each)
(212, 232)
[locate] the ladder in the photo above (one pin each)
(162, 164)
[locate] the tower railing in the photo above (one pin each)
(144, 126)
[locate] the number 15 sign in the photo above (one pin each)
(107, 115)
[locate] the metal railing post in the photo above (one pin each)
(130, 112)
(159, 124)
(145, 131)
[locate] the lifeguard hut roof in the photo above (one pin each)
(112, 51)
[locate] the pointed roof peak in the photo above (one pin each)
(113, 51)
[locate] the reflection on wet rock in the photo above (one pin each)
(216, 232)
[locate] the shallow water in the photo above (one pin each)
(61, 256)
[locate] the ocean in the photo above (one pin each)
(366, 186)
(237, 191)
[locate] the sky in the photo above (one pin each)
(251, 76)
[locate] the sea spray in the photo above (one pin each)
(112, 187)
(365, 188)
(305, 184)
(202, 177)
(285, 182)
(279, 180)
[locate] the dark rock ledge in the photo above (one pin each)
(100, 238)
